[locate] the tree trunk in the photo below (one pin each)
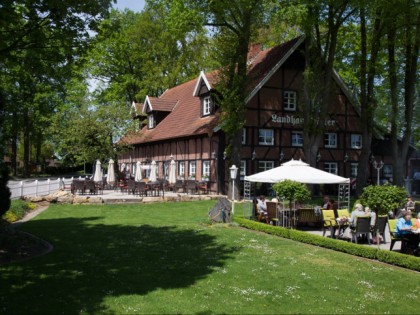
(26, 143)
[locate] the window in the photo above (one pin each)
(388, 172)
(331, 167)
(207, 106)
(192, 169)
(330, 140)
(242, 170)
(289, 100)
(353, 170)
(151, 118)
(181, 169)
(266, 137)
(206, 168)
(265, 165)
(243, 136)
(297, 138)
(356, 141)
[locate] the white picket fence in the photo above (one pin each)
(38, 187)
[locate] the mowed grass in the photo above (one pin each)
(166, 259)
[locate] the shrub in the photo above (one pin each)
(383, 199)
(18, 209)
(389, 257)
(4, 190)
(292, 191)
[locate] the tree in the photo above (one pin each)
(321, 25)
(403, 44)
(292, 191)
(383, 199)
(40, 39)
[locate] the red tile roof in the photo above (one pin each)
(184, 119)
(162, 104)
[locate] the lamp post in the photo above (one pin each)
(233, 173)
(378, 167)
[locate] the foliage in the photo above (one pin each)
(130, 259)
(4, 190)
(383, 199)
(394, 258)
(18, 209)
(292, 191)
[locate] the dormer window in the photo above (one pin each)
(207, 106)
(151, 121)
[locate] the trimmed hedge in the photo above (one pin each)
(389, 257)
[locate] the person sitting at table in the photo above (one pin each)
(357, 212)
(326, 204)
(416, 223)
(372, 215)
(404, 229)
(409, 206)
(262, 209)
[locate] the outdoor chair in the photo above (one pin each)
(141, 188)
(203, 187)
(329, 222)
(131, 186)
(362, 228)
(91, 187)
(179, 185)
(79, 186)
(272, 212)
(380, 226)
(191, 186)
(343, 213)
(392, 225)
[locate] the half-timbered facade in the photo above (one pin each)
(183, 124)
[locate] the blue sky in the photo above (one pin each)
(133, 5)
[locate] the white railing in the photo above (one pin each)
(38, 187)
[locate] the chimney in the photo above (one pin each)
(253, 51)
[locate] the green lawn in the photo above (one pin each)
(166, 258)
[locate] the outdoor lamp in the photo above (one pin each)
(233, 173)
(346, 158)
(318, 157)
(224, 155)
(378, 167)
(254, 154)
(281, 157)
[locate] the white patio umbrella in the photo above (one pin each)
(152, 177)
(172, 175)
(110, 177)
(138, 176)
(98, 172)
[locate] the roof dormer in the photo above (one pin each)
(157, 109)
(202, 86)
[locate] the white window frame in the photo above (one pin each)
(192, 169)
(356, 141)
(206, 106)
(297, 141)
(151, 121)
(243, 135)
(330, 140)
(181, 169)
(388, 171)
(263, 136)
(331, 167)
(265, 165)
(289, 100)
(242, 169)
(353, 169)
(206, 169)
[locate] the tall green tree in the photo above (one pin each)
(321, 24)
(403, 44)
